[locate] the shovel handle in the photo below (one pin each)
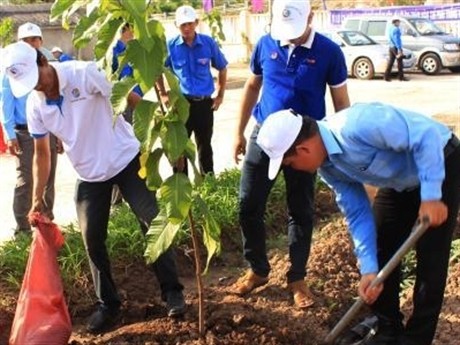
(417, 231)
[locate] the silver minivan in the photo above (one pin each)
(433, 48)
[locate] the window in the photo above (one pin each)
(377, 28)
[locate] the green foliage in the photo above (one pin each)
(6, 31)
(214, 20)
(159, 127)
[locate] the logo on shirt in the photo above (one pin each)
(310, 61)
(203, 61)
(76, 93)
(273, 55)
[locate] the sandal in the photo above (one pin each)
(303, 298)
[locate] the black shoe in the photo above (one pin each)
(359, 334)
(175, 303)
(404, 79)
(103, 319)
(387, 79)
(388, 332)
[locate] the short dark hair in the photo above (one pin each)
(125, 27)
(308, 130)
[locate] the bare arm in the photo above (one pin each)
(41, 170)
(340, 97)
(250, 95)
(221, 83)
(133, 99)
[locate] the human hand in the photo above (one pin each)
(59, 146)
(239, 148)
(216, 102)
(13, 147)
(37, 207)
(368, 294)
(435, 210)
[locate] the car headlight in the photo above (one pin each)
(451, 47)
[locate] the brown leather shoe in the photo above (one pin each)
(303, 298)
(247, 283)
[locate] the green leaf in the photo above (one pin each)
(143, 119)
(211, 231)
(180, 106)
(190, 153)
(59, 8)
(120, 92)
(146, 69)
(154, 179)
(176, 192)
(159, 237)
(107, 37)
(174, 139)
(86, 29)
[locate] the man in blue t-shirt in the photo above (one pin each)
(395, 51)
(292, 65)
(191, 56)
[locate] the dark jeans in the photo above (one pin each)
(393, 53)
(201, 122)
(254, 190)
(395, 214)
(22, 201)
(93, 208)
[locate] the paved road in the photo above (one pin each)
(429, 95)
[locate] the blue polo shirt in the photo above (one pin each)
(127, 70)
(394, 37)
(297, 81)
(13, 109)
(191, 64)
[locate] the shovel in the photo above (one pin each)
(417, 231)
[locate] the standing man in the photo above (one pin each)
(59, 54)
(415, 161)
(293, 65)
(21, 144)
(191, 56)
(396, 52)
(72, 100)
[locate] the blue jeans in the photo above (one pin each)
(93, 201)
(255, 188)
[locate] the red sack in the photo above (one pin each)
(42, 317)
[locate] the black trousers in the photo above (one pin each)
(201, 122)
(93, 208)
(393, 53)
(395, 214)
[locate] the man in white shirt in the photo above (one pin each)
(72, 101)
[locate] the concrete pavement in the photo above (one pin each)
(429, 95)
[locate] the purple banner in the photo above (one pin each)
(207, 5)
(433, 12)
(257, 6)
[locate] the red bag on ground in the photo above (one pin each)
(42, 317)
(3, 146)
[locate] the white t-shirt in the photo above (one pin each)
(98, 147)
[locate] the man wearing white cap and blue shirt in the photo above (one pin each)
(292, 65)
(20, 143)
(72, 100)
(415, 162)
(191, 56)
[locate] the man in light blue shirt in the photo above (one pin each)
(415, 162)
(395, 51)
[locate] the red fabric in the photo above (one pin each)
(41, 315)
(3, 146)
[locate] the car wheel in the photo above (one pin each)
(363, 69)
(455, 69)
(430, 64)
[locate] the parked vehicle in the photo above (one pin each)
(433, 48)
(364, 57)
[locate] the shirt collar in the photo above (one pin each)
(196, 40)
(308, 43)
(329, 140)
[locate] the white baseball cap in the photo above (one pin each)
(20, 66)
(29, 30)
(185, 14)
(289, 19)
(56, 49)
(276, 136)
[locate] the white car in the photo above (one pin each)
(364, 57)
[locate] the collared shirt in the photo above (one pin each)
(191, 64)
(97, 146)
(64, 57)
(298, 78)
(127, 70)
(13, 109)
(382, 146)
(394, 37)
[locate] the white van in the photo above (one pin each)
(433, 48)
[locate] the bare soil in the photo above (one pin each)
(265, 317)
